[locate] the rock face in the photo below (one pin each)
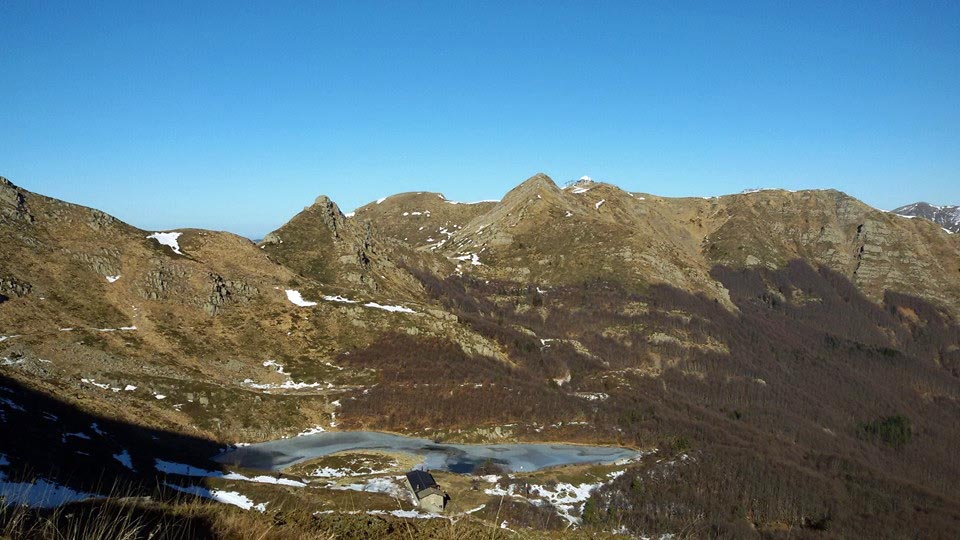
(13, 287)
(321, 243)
(224, 291)
(13, 204)
(947, 217)
(540, 233)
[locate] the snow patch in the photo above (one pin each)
(311, 431)
(226, 497)
(124, 459)
(180, 469)
(40, 493)
(340, 299)
(103, 386)
(395, 309)
(375, 485)
(113, 279)
(597, 206)
(475, 202)
(168, 239)
(472, 257)
(296, 299)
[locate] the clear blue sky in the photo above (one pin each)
(234, 116)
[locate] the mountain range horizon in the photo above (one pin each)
(258, 235)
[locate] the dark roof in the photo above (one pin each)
(420, 480)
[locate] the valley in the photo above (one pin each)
(768, 364)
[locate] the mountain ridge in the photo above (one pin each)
(756, 342)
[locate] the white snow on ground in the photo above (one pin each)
(376, 485)
(124, 459)
(286, 385)
(396, 309)
(104, 386)
(226, 497)
(129, 388)
(289, 384)
(350, 214)
(168, 239)
(160, 396)
(474, 202)
(758, 190)
(296, 299)
(3, 461)
(472, 257)
(180, 469)
(409, 514)
(311, 431)
(568, 214)
(4, 338)
(340, 299)
(96, 429)
(40, 493)
(579, 190)
(113, 279)
(273, 363)
(592, 396)
(9, 362)
(380, 200)
(568, 499)
(121, 329)
(597, 206)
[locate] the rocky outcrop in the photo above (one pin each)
(160, 280)
(224, 292)
(105, 263)
(13, 202)
(11, 287)
(330, 214)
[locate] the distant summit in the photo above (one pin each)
(947, 217)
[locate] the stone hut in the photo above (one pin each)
(426, 493)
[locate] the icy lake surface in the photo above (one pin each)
(459, 458)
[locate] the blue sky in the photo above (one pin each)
(234, 116)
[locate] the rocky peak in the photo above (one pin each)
(537, 183)
(330, 214)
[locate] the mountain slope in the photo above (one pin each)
(788, 362)
(545, 235)
(947, 217)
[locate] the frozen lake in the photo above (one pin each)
(459, 458)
